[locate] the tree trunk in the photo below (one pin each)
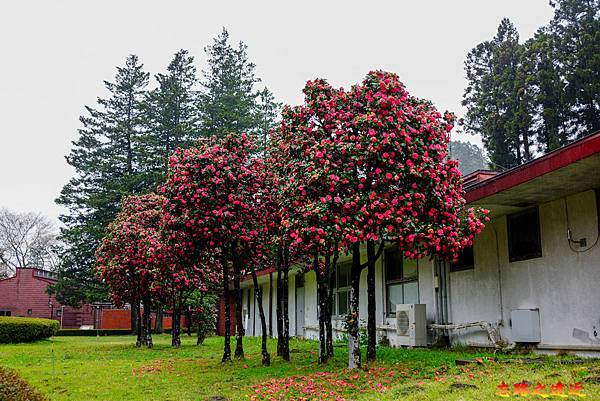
(353, 320)
(266, 358)
(134, 319)
(239, 324)
(331, 271)
(158, 325)
(279, 300)
(371, 309)
(227, 334)
(322, 312)
(138, 324)
(176, 327)
(285, 351)
(147, 323)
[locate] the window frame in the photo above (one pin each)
(535, 211)
(402, 280)
(337, 289)
(5, 312)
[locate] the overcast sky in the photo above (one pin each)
(55, 55)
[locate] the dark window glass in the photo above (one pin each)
(343, 298)
(29, 311)
(524, 239)
(393, 265)
(465, 261)
(343, 275)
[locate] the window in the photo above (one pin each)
(29, 311)
(524, 240)
(58, 312)
(401, 280)
(465, 261)
(342, 289)
(5, 313)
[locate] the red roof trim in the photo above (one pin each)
(554, 160)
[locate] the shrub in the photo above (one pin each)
(24, 329)
(14, 388)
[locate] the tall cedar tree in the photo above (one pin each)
(535, 97)
(172, 112)
(229, 101)
(575, 34)
(108, 162)
(495, 99)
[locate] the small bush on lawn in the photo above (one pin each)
(24, 329)
(13, 388)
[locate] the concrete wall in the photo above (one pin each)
(563, 284)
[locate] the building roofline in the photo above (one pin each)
(545, 164)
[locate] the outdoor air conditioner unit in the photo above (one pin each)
(411, 325)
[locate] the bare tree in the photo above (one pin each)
(26, 240)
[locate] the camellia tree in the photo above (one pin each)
(370, 166)
(407, 192)
(211, 204)
(311, 157)
(126, 261)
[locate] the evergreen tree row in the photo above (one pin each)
(126, 139)
(533, 97)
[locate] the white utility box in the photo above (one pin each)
(411, 325)
(525, 325)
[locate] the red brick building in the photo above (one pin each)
(25, 294)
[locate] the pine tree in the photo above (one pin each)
(172, 113)
(575, 32)
(267, 111)
(547, 85)
(229, 101)
(108, 165)
(496, 100)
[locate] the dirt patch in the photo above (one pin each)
(462, 386)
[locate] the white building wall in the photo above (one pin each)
(563, 284)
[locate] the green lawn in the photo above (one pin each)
(111, 368)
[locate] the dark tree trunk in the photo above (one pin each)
(266, 358)
(134, 319)
(353, 320)
(158, 325)
(279, 301)
(371, 309)
(138, 324)
(239, 324)
(176, 327)
(331, 271)
(285, 350)
(227, 334)
(322, 312)
(147, 323)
